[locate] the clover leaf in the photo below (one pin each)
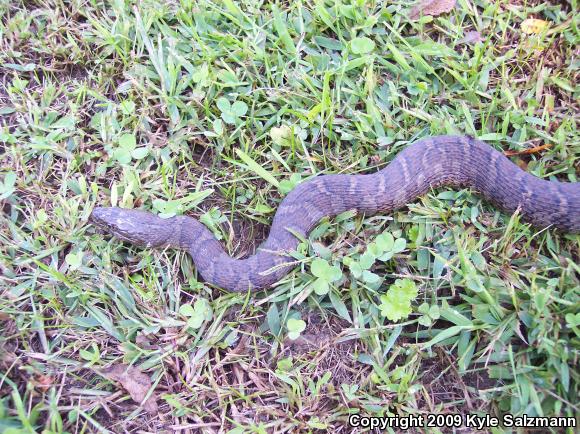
(127, 107)
(367, 259)
(573, 322)
(430, 314)
(41, 218)
(218, 127)
(389, 246)
(231, 113)
(360, 271)
(362, 45)
(198, 313)
(396, 303)
(127, 149)
(325, 273)
(295, 327)
(285, 365)
(74, 260)
(360, 268)
(201, 76)
(287, 185)
(384, 248)
(7, 186)
(127, 143)
(168, 208)
(213, 219)
(370, 277)
(385, 241)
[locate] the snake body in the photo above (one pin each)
(427, 164)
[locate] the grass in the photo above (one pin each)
(217, 109)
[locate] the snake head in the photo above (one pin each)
(138, 227)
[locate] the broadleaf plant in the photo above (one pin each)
(326, 274)
(396, 302)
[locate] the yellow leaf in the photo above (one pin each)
(533, 25)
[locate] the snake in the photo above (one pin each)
(454, 161)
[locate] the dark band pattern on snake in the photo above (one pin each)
(429, 163)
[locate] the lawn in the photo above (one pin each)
(217, 109)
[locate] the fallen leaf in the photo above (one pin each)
(431, 7)
(257, 381)
(472, 37)
(533, 150)
(133, 381)
(534, 26)
(44, 382)
(144, 342)
(521, 164)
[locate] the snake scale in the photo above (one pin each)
(428, 163)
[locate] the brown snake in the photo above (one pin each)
(429, 163)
